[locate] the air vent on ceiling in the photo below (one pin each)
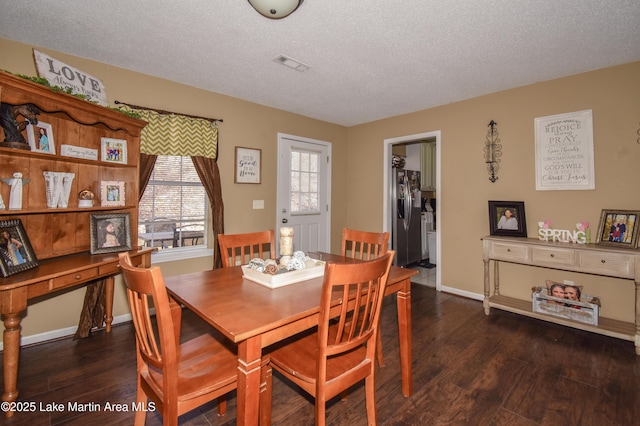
(291, 63)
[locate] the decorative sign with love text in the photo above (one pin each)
(62, 75)
(564, 151)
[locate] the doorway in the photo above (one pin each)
(388, 203)
(303, 192)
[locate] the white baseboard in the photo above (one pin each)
(60, 333)
(462, 293)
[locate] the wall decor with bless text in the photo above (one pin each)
(564, 151)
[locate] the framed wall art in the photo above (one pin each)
(247, 165)
(507, 218)
(40, 138)
(110, 233)
(112, 193)
(618, 228)
(564, 151)
(113, 150)
(16, 253)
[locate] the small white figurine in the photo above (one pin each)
(2, 206)
(15, 196)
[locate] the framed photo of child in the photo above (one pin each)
(110, 233)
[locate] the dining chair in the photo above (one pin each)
(341, 352)
(239, 249)
(177, 377)
(365, 245)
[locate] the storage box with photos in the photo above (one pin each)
(585, 310)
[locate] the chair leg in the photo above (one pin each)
(370, 395)
(379, 348)
(141, 400)
(222, 405)
(266, 393)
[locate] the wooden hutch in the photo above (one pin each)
(61, 237)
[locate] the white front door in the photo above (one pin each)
(304, 188)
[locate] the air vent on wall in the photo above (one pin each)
(291, 63)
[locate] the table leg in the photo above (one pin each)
(249, 362)
(404, 331)
(108, 302)
(10, 357)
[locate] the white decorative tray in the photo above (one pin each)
(283, 278)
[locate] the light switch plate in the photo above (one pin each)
(258, 204)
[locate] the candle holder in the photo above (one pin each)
(286, 245)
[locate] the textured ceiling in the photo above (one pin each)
(369, 59)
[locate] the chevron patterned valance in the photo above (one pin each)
(174, 134)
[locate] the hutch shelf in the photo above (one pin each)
(61, 237)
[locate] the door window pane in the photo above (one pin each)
(304, 196)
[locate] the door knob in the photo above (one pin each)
(285, 220)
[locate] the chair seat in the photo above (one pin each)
(294, 358)
(204, 364)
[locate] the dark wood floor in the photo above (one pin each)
(468, 368)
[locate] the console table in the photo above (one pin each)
(50, 277)
(584, 258)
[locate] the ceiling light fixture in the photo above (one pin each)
(275, 9)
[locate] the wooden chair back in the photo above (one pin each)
(364, 245)
(341, 353)
(178, 377)
(239, 249)
(355, 322)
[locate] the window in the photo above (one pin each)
(304, 182)
(173, 209)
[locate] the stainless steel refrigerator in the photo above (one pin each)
(407, 203)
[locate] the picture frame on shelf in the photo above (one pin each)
(618, 228)
(40, 137)
(113, 150)
(112, 193)
(110, 233)
(16, 253)
(507, 218)
(248, 166)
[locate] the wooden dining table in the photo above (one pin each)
(255, 316)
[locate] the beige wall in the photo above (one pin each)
(245, 124)
(357, 194)
(614, 96)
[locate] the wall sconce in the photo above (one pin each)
(275, 9)
(492, 151)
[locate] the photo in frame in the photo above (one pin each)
(110, 233)
(112, 193)
(113, 150)
(16, 253)
(507, 218)
(40, 138)
(247, 166)
(618, 228)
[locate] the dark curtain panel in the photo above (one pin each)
(147, 161)
(207, 169)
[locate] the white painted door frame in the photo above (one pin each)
(387, 190)
(324, 235)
